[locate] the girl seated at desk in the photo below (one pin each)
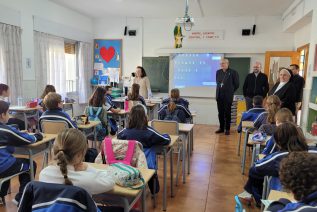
(4, 96)
(175, 96)
(138, 129)
(48, 89)
(9, 165)
(288, 138)
(135, 96)
(69, 151)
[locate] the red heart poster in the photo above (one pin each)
(107, 54)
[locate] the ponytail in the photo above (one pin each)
(61, 159)
(171, 106)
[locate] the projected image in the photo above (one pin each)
(195, 70)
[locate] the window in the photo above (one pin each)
(71, 68)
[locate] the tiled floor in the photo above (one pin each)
(214, 180)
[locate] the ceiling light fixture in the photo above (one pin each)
(186, 21)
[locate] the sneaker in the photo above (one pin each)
(219, 131)
(14, 201)
(245, 195)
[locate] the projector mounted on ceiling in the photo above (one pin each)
(186, 21)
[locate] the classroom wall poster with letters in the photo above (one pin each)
(107, 60)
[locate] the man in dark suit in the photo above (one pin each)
(227, 83)
(255, 84)
(299, 83)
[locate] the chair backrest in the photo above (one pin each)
(39, 196)
(163, 126)
(53, 126)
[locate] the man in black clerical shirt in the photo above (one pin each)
(227, 83)
(299, 83)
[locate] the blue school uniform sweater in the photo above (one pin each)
(109, 102)
(308, 204)
(180, 101)
(57, 115)
(178, 106)
(9, 138)
(250, 115)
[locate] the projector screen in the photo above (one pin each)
(195, 74)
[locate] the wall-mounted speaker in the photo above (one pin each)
(246, 32)
(132, 32)
(253, 29)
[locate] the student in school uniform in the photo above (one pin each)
(9, 165)
(53, 103)
(47, 89)
(96, 110)
(175, 96)
(253, 113)
(4, 96)
(298, 174)
(171, 112)
(265, 122)
(110, 106)
(68, 168)
(135, 94)
(288, 138)
(138, 129)
(282, 116)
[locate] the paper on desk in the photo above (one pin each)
(98, 66)
(113, 74)
(266, 203)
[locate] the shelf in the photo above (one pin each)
(312, 106)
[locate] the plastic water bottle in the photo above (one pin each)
(20, 101)
(126, 105)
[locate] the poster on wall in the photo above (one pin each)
(107, 60)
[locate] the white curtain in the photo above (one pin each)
(85, 71)
(11, 59)
(50, 66)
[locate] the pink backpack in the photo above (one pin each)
(107, 149)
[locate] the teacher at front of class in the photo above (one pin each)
(227, 83)
(143, 81)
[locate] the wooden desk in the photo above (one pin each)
(90, 125)
(122, 116)
(261, 156)
(247, 124)
(123, 195)
(39, 147)
(276, 195)
(27, 113)
(256, 146)
(150, 110)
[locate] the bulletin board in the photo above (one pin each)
(108, 59)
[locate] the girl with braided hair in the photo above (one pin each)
(69, 152)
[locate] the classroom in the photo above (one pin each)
(170, 105)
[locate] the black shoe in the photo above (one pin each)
(219, 131)
(227, 132)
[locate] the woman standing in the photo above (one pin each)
(143, 81)
(285, 90)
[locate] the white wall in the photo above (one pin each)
(113, 28)
(43, 10)
(302, 36)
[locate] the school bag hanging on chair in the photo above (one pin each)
(124, 174)
(94, 116)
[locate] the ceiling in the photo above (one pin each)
(175, 8)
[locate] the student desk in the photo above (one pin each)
(256, 146)
(122, 116)
(126, 196)
(187, 129)
(90, 125)
(151, 110)
(27, 113)
(246, 126)
(34, 149)
(164, 150)
(69, 106)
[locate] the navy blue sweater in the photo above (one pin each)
(148, 137)
(9, 138)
